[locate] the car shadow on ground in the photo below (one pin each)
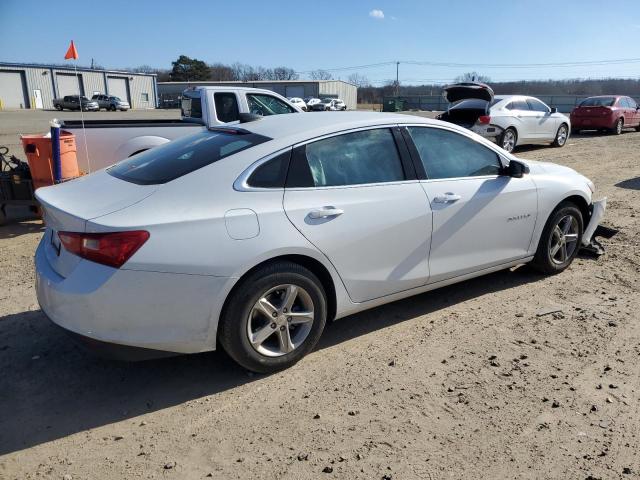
(50, 388)
(16, 228)
(631, 184)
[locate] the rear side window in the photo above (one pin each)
(272, 173)
(632, 103)
(357, 158)
(267, 105)
(519, 105)
(184, 155)
(226, 106)
(447, 154)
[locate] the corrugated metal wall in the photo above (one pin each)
(347, 92)
(141, 88)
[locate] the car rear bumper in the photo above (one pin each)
(157, 311)
(591, 122)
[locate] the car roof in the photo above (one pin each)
(299, 127)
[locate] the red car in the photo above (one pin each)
(606, 112)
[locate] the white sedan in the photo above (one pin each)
(252, 236)
(509, 120)
(298, 102)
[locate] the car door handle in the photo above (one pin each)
(325, 212)
(446, 198)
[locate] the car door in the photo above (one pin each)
(546, 125)
(524, 119)
(356, 198)
(634, 111)
(481, 217)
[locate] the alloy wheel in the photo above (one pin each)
(564, 240)
(561, 137)
(280, 321)
(509, 141)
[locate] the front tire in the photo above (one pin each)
(560, 240)
(59, 107)
(508, 139)
(274, 317)
(561, 136)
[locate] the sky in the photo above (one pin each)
(329, 34)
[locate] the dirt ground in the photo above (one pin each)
(470, 381)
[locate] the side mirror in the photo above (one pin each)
(516, 169)
(554, 110)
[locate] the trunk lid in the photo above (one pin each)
(592, 112)
(68, 206)
(463, 91)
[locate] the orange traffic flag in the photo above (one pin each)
(71, 52)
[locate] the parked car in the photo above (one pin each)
(73, 102)
(508, 120)
(298, 102)
(606, 112)
(311, 101)
(109, 102)
(338, 104)
(252, 236)
(109, 141)
(324, 105)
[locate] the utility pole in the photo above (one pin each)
(397, 81)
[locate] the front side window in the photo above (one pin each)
(447, 154)
(537, 105)
(226, 106)
(357, 158)
(264, 105)
(184, 155)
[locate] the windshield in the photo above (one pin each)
(598, 102)
(117, 99)
(84, 99)
(184, 155)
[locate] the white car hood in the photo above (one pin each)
(538, 167)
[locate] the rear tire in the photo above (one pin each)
(508, 139)
(562, 135)
(59, 108)
(617, 128)
(560, 240)
(263, 338)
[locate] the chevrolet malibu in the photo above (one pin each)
(252, 236)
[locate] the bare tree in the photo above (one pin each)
(320, 75)
(472, 77)
(284, 73)
(358, 80)
(221, 73)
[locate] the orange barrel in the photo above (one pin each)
(38, 151)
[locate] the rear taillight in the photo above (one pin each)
(112, 249)
(484, 119)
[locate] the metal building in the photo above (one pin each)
(35, 86)
(169, 91)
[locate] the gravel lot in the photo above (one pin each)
(470, 381)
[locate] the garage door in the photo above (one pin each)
(11, 91)
(295, 91)
(68, 84)
(118, 88)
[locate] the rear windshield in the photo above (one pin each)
(598, 102)
(471, 104)
(184, 155)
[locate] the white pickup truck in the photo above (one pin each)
(109, 141)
